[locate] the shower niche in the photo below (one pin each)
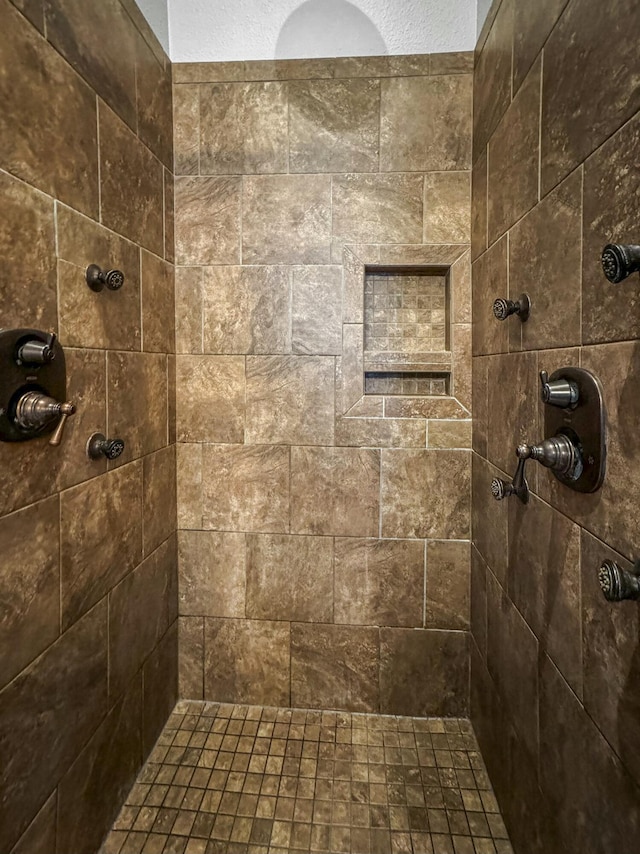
(407, 346)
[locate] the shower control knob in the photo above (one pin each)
(620, 261)
(35, 410)
(503, 308)
(99, 446)
(37, 352)
(97, 279)
(617, 583)
(558, 453)
(560, 392)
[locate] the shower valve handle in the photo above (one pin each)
(503, 308)
(560, 392)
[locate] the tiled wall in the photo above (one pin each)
(307, 510)
(555, 668)
(87, 550)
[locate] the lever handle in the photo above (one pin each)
(560, 392)
(617, 583)
(99, 446)
(503, 308)
(620, 261)
(36, 352)
(66, 411)
(97, 278)
(501, 489)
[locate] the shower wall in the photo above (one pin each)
(324, 534)
(88, 593)
(555, 668)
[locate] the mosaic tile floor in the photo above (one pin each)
(229, 779)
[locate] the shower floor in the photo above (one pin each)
(234, 779)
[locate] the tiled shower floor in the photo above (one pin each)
(230, 779)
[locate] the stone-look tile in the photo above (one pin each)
(611, 512)
(350, 368)
(245, 488)
(587, 46)
(207, 72)
(158, 497)
(425, 407)
(456, 62)
(449, 434)
(549, 269)
(290, 400)
(587, 768)
(478, 602)
(353, 287)
(514, 389)
(40, 836)
(513, 158)
(411, 138)
(101, 537)
(131, 639)
(246, 661)
(479, 201)
(189, 485)
(154, 102)
(361, 66)
(111, 70)
(109, 319)
(131, 184)
(490, 519)
(280, 585)
(65, 691)
(334, 667)
(490, 281)
(48, 127)
(30, 584)
(33, 10)
(512, 658)
(243, 128)
(92, 790)
(188, 302)
(171, 394)
(610, 648)
(446, 207)
(334, 125)
(27, 244)
(350, 477)
(210, 401)
(207, 220)
(137, 400)
(169, 217)
(377, 208)
(380, 432)
(191, 657)
(610, 216)
(426, 494)
(211, 574)
(160, 681)
(316, 312)
(423, 672)
(379, 582)
(492, 78)
(532, 25)
(480, 400)
(246, 310)
(448, 580)
(186, 129)
(286, 219)
(158, 305)
(462, 345)
(544, 582)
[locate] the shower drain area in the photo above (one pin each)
(237, 779)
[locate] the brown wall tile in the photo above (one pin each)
(40, 836)
(210, 398)
(513, 403)
(334, 667)
(158, 497)
(207, 220)
(490, 281)
(532, 25)
(186, 129)
(446, 207)
(30, 584)
(423, 672)
(211, 574)
(286, 219)
(378, 582)
(247, 661)
(334, 125)
(490, 519)
(350, 475)
(243, 128)
(290, 400)
(492, 78)
(160, 687)
(279, 583)
(316, 320)
(154, 102)
(191, 657)
(449, 434)
(188, 302)
(380, 432)
(447, 594)
(479, 200)
(158, 305)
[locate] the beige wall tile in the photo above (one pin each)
(158, 305)
(189, 485)
(286, 219)
(290, 400)
(449, 434)
(380, 432)
(316, 321)
(211, 574)
(189, 310)
(280, 585)
(448, 573)
(379, 582)
(186, 129)
(159, 503)
(207, 220)
(446, 207)
(210, 398)
(191, 657)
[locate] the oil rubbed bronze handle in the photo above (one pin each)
(66, 411)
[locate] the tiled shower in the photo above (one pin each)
(279, 609)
